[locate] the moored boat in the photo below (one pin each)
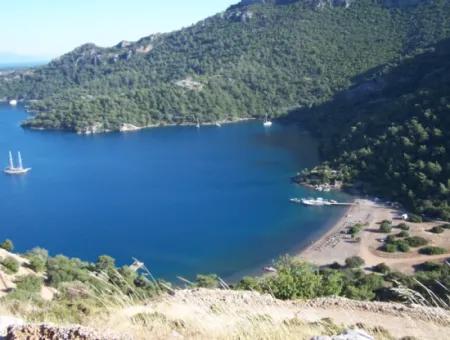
(13, 170)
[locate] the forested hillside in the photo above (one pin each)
(256, 58)
(391, 133)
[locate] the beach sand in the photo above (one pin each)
(336, 246)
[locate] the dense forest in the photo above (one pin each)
(390, 134)
(256, 58)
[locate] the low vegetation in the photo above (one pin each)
(7, 245)
(296, 279)
(10, 265)
(432, 251)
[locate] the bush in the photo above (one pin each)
(105, 263)
(354, 262)
(403, 246)
(29, 283)
(390, 247)
(403, 234)
(430, 266)
(445, 226)
(354, 230)
(432, 251)
(403, 226)
(416, 241)
(415, 218)
(207, 281)
(390, 239)
(437, 230)
(385, 227)
(381, 268)
(62, 269)
(7, 245)
(36, 263)
(248, 283)
(11, 265)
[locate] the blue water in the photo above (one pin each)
(182, 200)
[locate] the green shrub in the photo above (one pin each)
(390, 247)
(403, 246)
(207, 281)
(415, 218)
(62, 269)
(354, 262)
(36, 263)
(7, 245)
(437, 230)
(381, 268)
(29, 283)
(105, 263)
(11, 265)
(248, 283)
(390, 239)
(403, 234)
(432, 251)
(416, 241)
(430, 266)
(354, 230)
(403, 226)
(385, 227)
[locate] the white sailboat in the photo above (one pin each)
(267, 122)
(198, 124)
(19, 170)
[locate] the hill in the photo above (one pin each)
(256, 58)
(389, 135)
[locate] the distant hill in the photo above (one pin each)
(256, 58)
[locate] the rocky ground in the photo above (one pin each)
(225, 314)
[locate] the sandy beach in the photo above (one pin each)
(336, 245)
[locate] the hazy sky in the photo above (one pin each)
(48, 28)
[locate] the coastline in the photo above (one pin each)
(314, 251)
(336, 246)
(297, 251)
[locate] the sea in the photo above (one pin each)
(183, 200)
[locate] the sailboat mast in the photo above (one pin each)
(20, 160)
(11, 162)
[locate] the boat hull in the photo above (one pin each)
(15, 172)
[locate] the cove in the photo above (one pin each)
(181, 199)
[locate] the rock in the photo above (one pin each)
(45, 331)
(349, 334)
(7, 321)
(129, 127)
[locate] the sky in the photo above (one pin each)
(44, 29)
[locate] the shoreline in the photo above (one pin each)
(324, 238)
(336, 246)
(296, 251)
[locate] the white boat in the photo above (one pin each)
(317, 202)
(267, 122)
(295, 200)
(198, 124)
(218, 124)
(13, 102)
(19, 170)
